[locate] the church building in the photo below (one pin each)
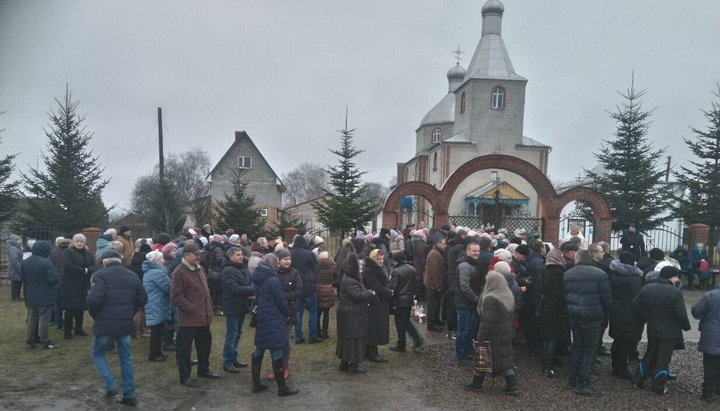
(482, 113)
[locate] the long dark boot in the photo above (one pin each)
(68, 321)
(511, 385)
(658, 385)
(256, 367)
(476, 384)
(283, 389)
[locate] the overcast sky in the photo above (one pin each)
(284, 71)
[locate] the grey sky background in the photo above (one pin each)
(284, 71)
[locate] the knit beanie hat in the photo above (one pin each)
(502, 267)
(669, 272)
(282, 254)
(627, 257)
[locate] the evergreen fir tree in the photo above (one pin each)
(342, 209)
(702, 180)
(8, 188)
(67, 195)
(286, 220)
(237, 210)
(164, 210)
(631, 177)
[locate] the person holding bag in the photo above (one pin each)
(496, 308)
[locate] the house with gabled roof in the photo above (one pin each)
(262, 181)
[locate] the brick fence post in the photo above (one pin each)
(289, 234)
(91, 236)
(699, 233)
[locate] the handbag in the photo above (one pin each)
(483, 357)
(253, 316)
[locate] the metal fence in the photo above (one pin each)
(532, 227)
(666, 238)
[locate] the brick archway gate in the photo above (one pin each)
(552, 202)
(425, 190)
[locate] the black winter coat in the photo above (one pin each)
(633, 242)
(403, 282)
(305, 262)
(495, 325)
(292, 286)
(662, 306)
(352, 311)
(115, 297)
(554, 313)
(236, 288)
(453, 251)
(707, 310)
(75, 282)
(419, 256)
(477, 281)
(136, 263)
(40, 277)
(625, 283)
(587, 291)
(534, 268)
(375, 278)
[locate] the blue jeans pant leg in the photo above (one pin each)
(299, 307)
(311, 306)
(126, 365)
(463, 339)
(274, 354)
(101, 365)
(233, 332)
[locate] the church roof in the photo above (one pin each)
(529, 142)
(507, 191)
(491, 59)
(458, 138)
(442, 113)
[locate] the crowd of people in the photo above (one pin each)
(489, 291)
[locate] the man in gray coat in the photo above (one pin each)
(15, 257)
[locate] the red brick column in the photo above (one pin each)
(440, 219)
(289, 234)
(91, 236)
(603, 230)
(552, 230)
(389, 220)
(698, 233)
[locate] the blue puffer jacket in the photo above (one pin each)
(40, 277)
(102, 245)
(587, 291)
(272, 310)
(157, 285)
(707, 310)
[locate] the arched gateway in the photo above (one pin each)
(551, 201)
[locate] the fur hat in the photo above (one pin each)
(669, 272)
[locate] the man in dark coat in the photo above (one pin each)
(433, 281)
(115, 297)
(534, 268)
(305, 262)
(236, 288)
(466, 299)
(587, 292)
(57, 256)
(456, 247)
(662, 306)
(39, 278)
(625, 327)
(707, 310)
(189, 292)
(633, 241)
(375, 279)
(78, 267)
(402, 284)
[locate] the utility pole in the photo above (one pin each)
(160, 141)
(667, 170)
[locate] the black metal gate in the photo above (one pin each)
(577, 217)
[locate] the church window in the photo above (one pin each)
(435, 162)
(498, 98)
(263, 212)
(437, 136)
(462, 103)
(245, 162)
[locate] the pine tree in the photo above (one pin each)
(342, 209)
(8, 188)
(630, 182)
(67, 196)
(286, 220)
(164, 210)
(237, 209)
(702, 180)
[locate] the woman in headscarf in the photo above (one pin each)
(352, 316)
(78, 267)
(554, 317)
(376, 279)
(158, 308)
(496, 308)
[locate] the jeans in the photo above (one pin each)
(403, 325)
(274, 354)
(463, 335)
(308, 302)
(203, 341)
(122, 342)
(38, 321)
(233, 331)
(584, 350)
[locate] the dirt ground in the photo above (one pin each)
(427, 379)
